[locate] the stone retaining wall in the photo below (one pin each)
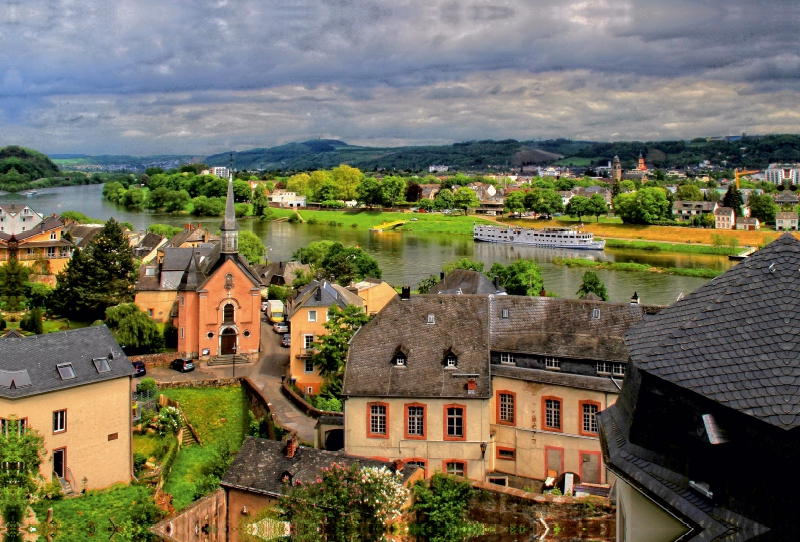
(209, 383)
(155, 360)
(309, 409)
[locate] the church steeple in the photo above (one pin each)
(230, 228)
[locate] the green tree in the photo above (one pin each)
(425, 285)
(543, 201)
(392, 190)
(578, 207)
(597, 206)
(465, 199)
(592, 284)
(261, 207)
(241, 191)
(299, 184)
(176, 200)
(346, 179)
(523, 277)
(134, 330)
(313, 253)
(643, 206)
(369, 192)
(348, 264)
(164, 229)
(441, 505)
(329, 191)
(332, 347)
(688, 192)
(205, 206)
(762, 207)
(515, 202)
(37, 294)
(463, 263)
(426, 204)
(443, 199)
(315, 181)
(733, 199)
(21, 454)
(251, 247)
(33, 322)
(12, 284)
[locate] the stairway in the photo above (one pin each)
(188, 437)
(66, 487)
(227, 359)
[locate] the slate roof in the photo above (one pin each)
(723, 211)
(787, 196)
(786, 216)
(706, 521)
(281, 272)
(465, 281)
(461, 325)
(564, 327)
(332, 294)
(736, 339)
(229, 222)
(38, 356)
(260, 465)
(541, 376)
(49, 223)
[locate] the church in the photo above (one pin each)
(215, 295)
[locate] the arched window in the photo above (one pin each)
(227, 314)
(228, 281)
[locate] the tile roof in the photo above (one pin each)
(465, 281)
(38, 356)
(722, 211)
(260, 465)
(736, 339)
(461, 325)
(564, 327)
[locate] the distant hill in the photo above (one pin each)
(327, 153)
(19, 166)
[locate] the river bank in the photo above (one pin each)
(698, 272)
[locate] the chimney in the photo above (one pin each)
(398, 465)
(635, 299)
(441, 275)
(471, 385)
(291, 447)
(496, 282)
(187, 226)
(543, 292)
(318, 293)
(405, 292)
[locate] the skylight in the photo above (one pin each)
(101, 364)
(66, 371)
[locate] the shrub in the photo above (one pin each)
(169, 421)
(3, 324)
(441, 507)
(147, 384)
(331, 223)
(294, 219)
(139, 460)
(313, 220)
(331, 404)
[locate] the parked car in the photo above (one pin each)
(286, 341)
(139, 367)
(264, 306)
(183, 365)
(281, 327)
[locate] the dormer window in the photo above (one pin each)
(450, 360)
(150, 271)
(400, 360)
(504, 313)
(431, 319)
(595, 314)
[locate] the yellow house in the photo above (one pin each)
(40, 246)
(74, 388)
(417, 385)
(375, 293)
(307, 314)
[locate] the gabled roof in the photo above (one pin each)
(460, 325)
(48, 224)
(570, 328)
(35, 359)
(465, 281)
(260, 465)
(330, 294)
(191, 234)
(736, 339)
(723, 211)
(786, 216)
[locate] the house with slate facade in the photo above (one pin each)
(74, 388)
(704, 437)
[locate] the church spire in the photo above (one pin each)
(230, 228)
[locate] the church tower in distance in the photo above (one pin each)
(616, 169)
(229, 231)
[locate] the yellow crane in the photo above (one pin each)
(738, 174)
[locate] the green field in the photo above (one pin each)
(456, 224)
(217, 414)
(638, 267)
(652, 246)
(575, 161)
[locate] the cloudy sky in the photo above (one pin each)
(181, 76)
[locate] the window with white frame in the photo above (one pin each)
(308, 340)
(431, 319)
(506, 357)
(451, 360)
(59, 421)
(590, 418)
(312, 316)
(456, 468)
(603, 368)
(552, 363)
(552, 413)
(416, 421)
(619, 369)
(377, 419)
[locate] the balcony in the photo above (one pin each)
(306, 353)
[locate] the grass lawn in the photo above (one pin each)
(51, 326)
(87, 517)
(456, 224)
(278, 212)
(216, 414)
(146, 444)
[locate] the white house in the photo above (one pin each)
(724, 218)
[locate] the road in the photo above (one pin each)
(272, 364)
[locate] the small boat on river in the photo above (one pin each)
(572, 238)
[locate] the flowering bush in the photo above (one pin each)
(168, 421)
(344, 504)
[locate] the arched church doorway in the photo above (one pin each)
(227, 341)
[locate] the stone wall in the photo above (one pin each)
(302, 404)
(209, 383)
(155, 360)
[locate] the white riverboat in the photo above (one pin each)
(546, 237)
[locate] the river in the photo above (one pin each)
(407, 258)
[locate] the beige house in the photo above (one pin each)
(417, 385)
(74, 388)
(748, 223)
(786, 221)
(307, 314)
(375, 293)
(724, 218)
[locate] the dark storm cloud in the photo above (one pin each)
(336, 59)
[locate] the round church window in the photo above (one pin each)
(246, 333)
(210, 334)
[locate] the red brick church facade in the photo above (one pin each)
(219, 298)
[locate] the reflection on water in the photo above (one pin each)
(408, 258)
